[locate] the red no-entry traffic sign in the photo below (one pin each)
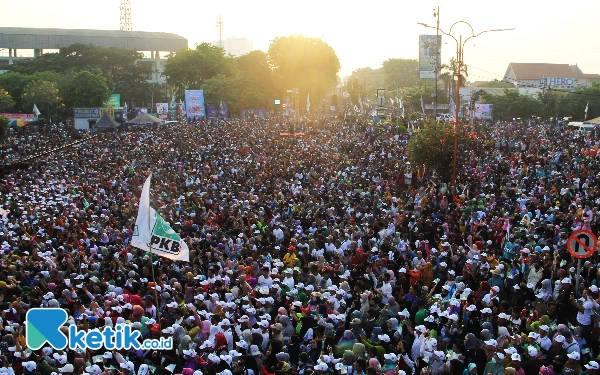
(582, 244)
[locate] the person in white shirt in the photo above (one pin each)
(265, 279)
(278, 232)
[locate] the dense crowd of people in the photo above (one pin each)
(308, 254)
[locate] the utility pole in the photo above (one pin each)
(436, 13)
(220, 26)
(460, 45)
(125, 15)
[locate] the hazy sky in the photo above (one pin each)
(363, 33)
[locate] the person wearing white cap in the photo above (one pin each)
(67, 369)
(544, 340)
(570, 345)
(128, 368)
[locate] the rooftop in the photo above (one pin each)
(46, 38)
(534, 71)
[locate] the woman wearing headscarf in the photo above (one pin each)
(374, 364)
(346, 342)
(204, 332)
(484, 289)
(184, 345)
(393, 306)
(473, 353)
(288, 328)
(470, 370)
(503, 337)
(220, 344)
(364, 304)
(359, 350)
(546, 290)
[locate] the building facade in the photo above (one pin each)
(15, 40)
(538, 76)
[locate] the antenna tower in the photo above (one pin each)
(220, 26)
(125, 13)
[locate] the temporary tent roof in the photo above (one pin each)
(594, 121)
(104, 123)
(145, 120)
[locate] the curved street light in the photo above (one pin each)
(460, 46)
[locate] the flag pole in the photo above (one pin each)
(152, 265)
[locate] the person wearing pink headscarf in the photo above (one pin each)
(374, 364)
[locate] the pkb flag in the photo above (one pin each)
(152, 233)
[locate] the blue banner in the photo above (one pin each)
(86, 113)
(211, 111)
(194, 103)
(223, 110)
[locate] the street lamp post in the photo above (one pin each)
(460, 46)
(436, 13)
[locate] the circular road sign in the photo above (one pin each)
(582, 244)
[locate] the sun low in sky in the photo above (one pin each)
(363, 34)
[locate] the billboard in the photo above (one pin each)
(162, 110)
(428, 52)
(558, 82)
(114, 100)
(140, 110)
(109, 110)
(194, 103)
(223, 110)
(483, 111)
(86, 113)
(211, 111)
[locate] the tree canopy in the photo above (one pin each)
(86, 89)
(433, 147)
(189, 69)
(309, 64)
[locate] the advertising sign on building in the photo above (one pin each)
(86, 112)
(428, 52)
(162, 110)
(483, 111)
(194, 103)
(114, 100)
(109, 110)
(140, 110)
(558, 83)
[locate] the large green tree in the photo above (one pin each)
(309, 64)
(191, 68)
(15, 84)
(219, 88)
(400, 73)
(3, 129)
(513, 105)
(433, 147)
(255, 82)
(125, 75)
(86, 89)
(448, 76)
(45, 95)
(6, 102)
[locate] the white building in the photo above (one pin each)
(237, 46)
(550, 76)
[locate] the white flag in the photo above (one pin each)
(587, 106)
(308, 102)
(422, 105)
(401, 104)
(37, 112)
(152, 233)
(360, 103)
